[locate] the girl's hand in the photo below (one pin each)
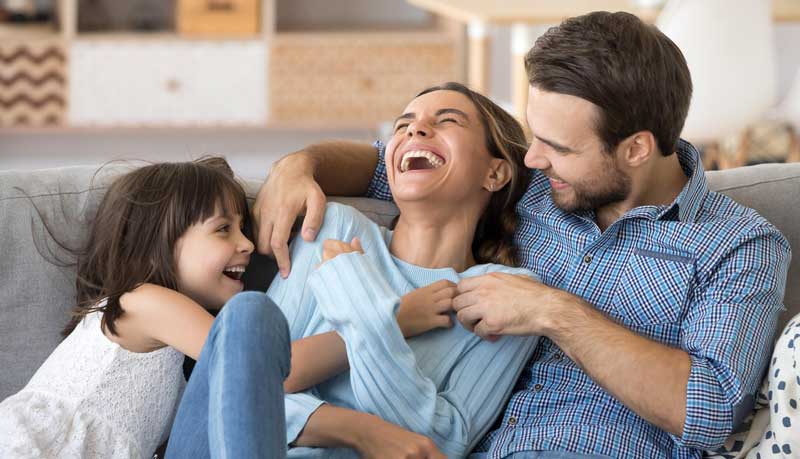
(332, 247)
(426, 308)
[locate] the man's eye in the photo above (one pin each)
(400, 127)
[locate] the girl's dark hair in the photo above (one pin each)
(505, 138)
(139, 220)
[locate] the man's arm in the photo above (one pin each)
(698, 393)
(298, 183)
(518, 305)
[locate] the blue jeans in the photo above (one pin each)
(542, 455)
(233, 405)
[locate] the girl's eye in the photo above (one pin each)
(224, 228)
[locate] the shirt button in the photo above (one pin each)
(537, 387)
(587, 259)
(557, 357)
(512, 421)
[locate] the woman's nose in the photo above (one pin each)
(418, 129)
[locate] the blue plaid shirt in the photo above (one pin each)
(703, 274)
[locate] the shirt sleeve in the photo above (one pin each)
(386, 380)
(299, 407)
(728, 334)
(379, 185)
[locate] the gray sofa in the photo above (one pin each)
(37, 283)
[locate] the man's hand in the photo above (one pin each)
(426, 308)
(289, 191)
(507, 304)
(384, 440)
(331, 248)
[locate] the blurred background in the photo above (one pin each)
(87, 81)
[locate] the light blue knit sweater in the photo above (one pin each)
(447, 384)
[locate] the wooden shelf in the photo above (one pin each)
(19, 32)
(144, 37)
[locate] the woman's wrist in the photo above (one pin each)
(333, 427)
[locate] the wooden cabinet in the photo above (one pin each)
(168, 83)
(292, 70)
(354, 78)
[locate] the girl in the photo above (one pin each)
(166, 245)
(455, 169)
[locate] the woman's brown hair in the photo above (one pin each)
(141, 217)
(505, 139)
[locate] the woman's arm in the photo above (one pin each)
(371, 436)
(320, 357)
(384, 373)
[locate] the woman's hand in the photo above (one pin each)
(426, 308)
(331, 248)
(384, 440)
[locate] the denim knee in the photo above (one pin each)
(256, 314)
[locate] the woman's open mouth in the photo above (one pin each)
(420, 160)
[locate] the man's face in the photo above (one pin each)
(566, 148)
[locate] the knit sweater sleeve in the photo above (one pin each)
(359, 303)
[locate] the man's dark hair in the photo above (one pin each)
(634, 73)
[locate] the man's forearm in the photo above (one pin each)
(341, 168)
(648, 377)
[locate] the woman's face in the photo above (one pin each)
(438, 150)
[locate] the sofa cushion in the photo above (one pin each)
(36, 294)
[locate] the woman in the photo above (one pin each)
(455, 169)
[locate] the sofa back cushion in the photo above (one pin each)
(37, 286)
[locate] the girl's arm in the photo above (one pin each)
(156, 316)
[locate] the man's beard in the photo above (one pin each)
(596, 192)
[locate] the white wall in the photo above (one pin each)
(251, 151)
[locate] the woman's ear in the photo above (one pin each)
(498, 176)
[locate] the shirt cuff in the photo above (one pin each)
(379, 185)
(299, 407)
(709, 413)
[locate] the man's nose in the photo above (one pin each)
(535, 158)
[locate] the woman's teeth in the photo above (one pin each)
(434, 160)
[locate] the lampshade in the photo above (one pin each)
(729, 49)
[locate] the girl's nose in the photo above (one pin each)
(245, 245)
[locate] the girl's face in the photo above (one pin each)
(438, 150)
(211, 257)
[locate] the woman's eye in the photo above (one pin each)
(445, 120)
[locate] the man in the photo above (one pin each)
(659, 298)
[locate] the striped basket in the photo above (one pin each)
(33, 84)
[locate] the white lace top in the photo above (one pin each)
(93, 399)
